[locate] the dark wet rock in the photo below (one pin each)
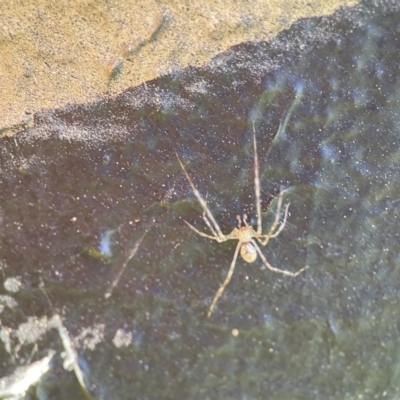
(80, 188)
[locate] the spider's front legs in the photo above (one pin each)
(217, 238)
(205, 219)
(201, 201)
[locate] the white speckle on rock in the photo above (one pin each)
(12, 284)
(122, 338)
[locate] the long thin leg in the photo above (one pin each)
(217, 238)
(257, 184)
(200, 199)
(283, 223)
(270, 267)
(276, 222)
(205, 219)
(228, 278)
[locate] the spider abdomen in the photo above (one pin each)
(248, 252)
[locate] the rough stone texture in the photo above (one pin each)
(81, 187)
(56, 53)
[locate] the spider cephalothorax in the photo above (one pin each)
(244, 233)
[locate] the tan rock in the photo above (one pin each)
(55, 53)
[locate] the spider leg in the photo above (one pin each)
(257, 183)
(217, 238)
(272, 233)
(227, 280)
(207, 221)
(270, 267)
(201, 201)
(283, 223)
(209, 225)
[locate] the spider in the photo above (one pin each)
(244, 233)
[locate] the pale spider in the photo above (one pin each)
(244, 233)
